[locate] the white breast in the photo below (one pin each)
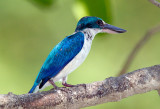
(89, 35)
(76, 62)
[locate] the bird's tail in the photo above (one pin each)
(34, 89)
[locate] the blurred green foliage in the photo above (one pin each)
(100, 8)
(43, 3)
(28, 34)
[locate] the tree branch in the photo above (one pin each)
(137, 48)
(156, 3)
(110, 90)
(140, 44)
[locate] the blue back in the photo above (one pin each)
(60, 56)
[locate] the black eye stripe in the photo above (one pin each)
(99, 22)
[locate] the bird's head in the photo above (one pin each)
(97, 24)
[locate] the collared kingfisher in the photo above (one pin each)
(71, 52)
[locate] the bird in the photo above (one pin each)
(71, 52)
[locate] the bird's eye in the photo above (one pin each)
(100, 22)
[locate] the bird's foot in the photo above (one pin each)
(56, 88)
(83, 85)
(67, 85)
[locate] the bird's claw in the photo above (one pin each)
(67, 85)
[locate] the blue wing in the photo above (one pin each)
(59, 57)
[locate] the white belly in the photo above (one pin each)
(75, 62)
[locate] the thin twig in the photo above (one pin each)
(138, 46)
(156, 3)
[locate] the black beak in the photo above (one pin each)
(111, 29)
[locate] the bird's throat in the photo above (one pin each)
(90, 33)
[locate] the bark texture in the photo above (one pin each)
(109, 90)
